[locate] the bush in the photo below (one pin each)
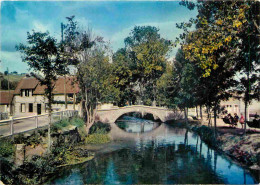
(34, 171)
(78, 122)
(60, 124)
(6, 148)
(98, 138)
(100, 127)
(34, 139)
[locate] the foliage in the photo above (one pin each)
(147, 52)
(4, 84)
(122, 77)
(97, 138)
(44, 56)
(88, 54)
(33, 139)
(206, 134)
(6, 148)
(78, 122)
(99, 127)
(61, 124)
(223, 45)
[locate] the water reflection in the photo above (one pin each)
(136, 125)
(170, 155)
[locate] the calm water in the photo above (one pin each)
(153, 153)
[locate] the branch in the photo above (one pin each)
(257, 27)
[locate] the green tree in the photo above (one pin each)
(147, 51)
(226, 30)
(42, 54)
(123, 77)
(88, 54)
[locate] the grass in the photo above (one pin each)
(60, 125)
(97, 139)
(100, 136)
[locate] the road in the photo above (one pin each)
(25, 124)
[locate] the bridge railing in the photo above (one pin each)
(131, 106)
(23, 124)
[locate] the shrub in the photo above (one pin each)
(6, 148)
(99, 127)
(97, 138)
(78, 122)
(60, 124)
(34, 139)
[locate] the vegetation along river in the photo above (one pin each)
(143, 151)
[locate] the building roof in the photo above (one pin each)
(33, 83)
(5, 99)
(71, 86)
(26, 83)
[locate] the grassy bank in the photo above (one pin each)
(24, 158)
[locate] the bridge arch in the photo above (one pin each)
(142, 112)
(111, 115)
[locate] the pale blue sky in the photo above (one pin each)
(112, 19)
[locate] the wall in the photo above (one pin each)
(39, 99)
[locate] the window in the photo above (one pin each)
(22, 107)
(70, 95)
(27, 91)
(30, 107)
(21, 92)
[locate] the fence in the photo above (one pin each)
(23, 124)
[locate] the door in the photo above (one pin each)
(39, 108)
(30, 107)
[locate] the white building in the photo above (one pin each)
(29, 96)
(238, 106)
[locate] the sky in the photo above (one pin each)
(112, 20)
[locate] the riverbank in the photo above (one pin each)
(244, 149)
(25, 158)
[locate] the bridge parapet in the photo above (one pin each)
(111, 115)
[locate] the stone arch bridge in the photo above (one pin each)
(112, 114)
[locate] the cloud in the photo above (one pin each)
(38, 26)
(167, 30)
(13, 61)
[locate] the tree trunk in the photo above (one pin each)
(215, 122)
(91, 114)
(246, 118)
(201, 113)
(186, 114)
(209, 116)
(49, 131)
(74, 101)
(197, 112)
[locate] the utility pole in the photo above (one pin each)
(65, 90)
(9, 92)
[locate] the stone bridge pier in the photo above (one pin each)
(111, 115)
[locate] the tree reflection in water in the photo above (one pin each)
(173, 156)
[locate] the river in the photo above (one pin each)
(144, 152)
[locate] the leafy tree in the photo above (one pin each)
(42, 54)
(167, 86)
(226, 30)
(88, 54)
(147, 51)
(187, 82)
(123, 77)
